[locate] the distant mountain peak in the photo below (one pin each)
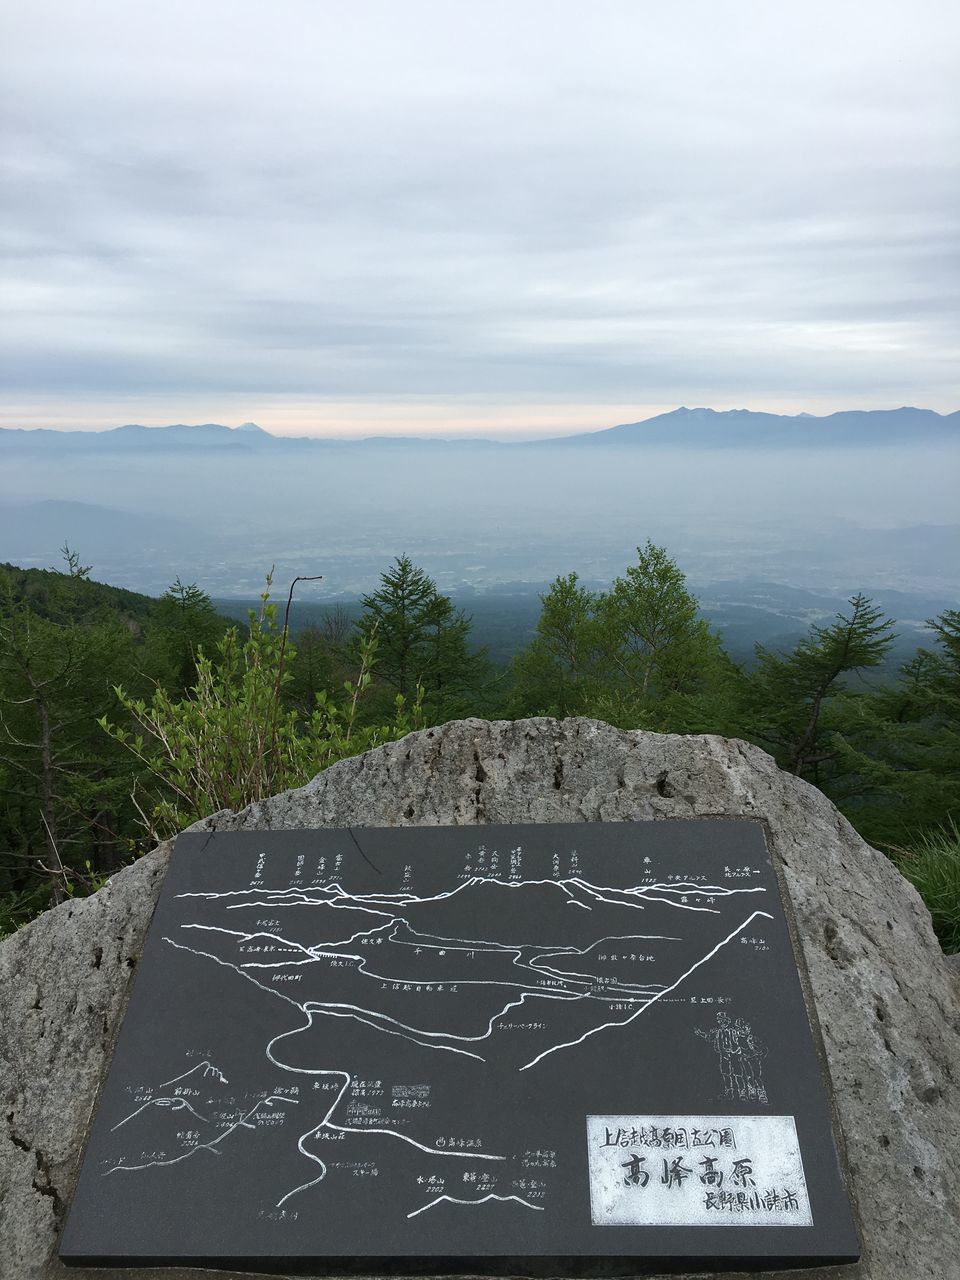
(702, 427)
(698, 427)
(203, 434)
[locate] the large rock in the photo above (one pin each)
(888, 1006)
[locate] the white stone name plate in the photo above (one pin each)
(696, 1171)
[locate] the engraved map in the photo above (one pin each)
(414, 1027)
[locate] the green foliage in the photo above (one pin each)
(183, 622)
(792, 691)
(672, 671)
(932, 865)
(74, 568)
(231, 741)
(897, 748)
(650, 632)
(19, 906)
(638, 656)
(321, 661)
(211, 717)
(63, 791)
(557, 672)
(422, 643)
(68, 597)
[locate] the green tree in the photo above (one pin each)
(423, 643)
(183, 622)
(555, 673)
(898, 747)
(944, 667)
(651, 633)
(321, 660)
(74, 568)
(638, 655)
(64, 786)
(792, 692)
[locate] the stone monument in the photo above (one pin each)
(878, 991)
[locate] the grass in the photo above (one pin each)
(932, 865)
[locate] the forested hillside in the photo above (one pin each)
(124, 717)
(69, 806)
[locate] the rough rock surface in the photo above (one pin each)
(888, 1005)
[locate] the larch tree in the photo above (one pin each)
(422, 641)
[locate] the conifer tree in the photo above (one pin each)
(792, 691)
(183, 623)
(651, 631)
(898, 746)
(638, 655)
(422, 641)
(62, 784)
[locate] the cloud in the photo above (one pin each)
(647, 203)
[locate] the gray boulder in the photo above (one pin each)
(888, 1004)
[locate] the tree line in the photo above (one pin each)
(124, 718)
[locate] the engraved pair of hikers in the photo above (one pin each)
(741, 1054)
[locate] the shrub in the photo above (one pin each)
(231, 741)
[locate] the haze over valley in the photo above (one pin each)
(787, 505)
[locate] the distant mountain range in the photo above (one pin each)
(744, 428)
(688, 428)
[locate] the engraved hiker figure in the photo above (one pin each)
(724, 1039)
(751, 1052)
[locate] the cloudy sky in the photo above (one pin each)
(433, 215)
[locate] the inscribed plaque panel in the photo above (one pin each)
(465, 1047)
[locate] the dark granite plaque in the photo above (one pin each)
(515, 1048)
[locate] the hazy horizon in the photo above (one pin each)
(414, 426)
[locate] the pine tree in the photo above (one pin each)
(62, 783)
(183, 623)
(898, 747)
(422, 641)
(792, 691)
